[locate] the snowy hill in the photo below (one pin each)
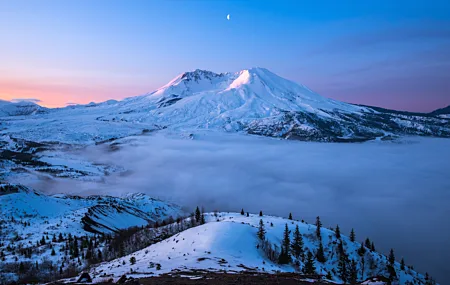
(36, 228)
(21, 108)
(78, 215)
(229, 242)
(254, 101)
(60, 235)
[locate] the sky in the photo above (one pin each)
(393, 54)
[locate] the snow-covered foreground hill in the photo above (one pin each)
(229, 243)
(254, 101)
(53, 237)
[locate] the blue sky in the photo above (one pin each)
(394, 54)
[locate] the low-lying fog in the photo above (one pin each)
(397, 194)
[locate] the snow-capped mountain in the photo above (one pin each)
(254, 101)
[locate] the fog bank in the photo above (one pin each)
(397, 194)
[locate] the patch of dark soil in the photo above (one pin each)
(22, 158)
(228, 279)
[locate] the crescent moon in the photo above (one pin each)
(228, 17)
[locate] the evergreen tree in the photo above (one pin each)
(43, 240)
(367, 243)
(297, 244)
(60, 237)
(197, 215)
(248, 215)
(318, 227)
(76, 253)
(320, 254)
(338, 232)
(285, 256)
(391, 257)
(372, 247)
(242, 212)
(261, 231)
(362, 250)
(392, 273)
(133, 260)
(37, 265)
(402, 264)
(343, 269)
(352, 235)
(53, 252)
(260, 213)
(309, 264)
(290, 216)
(202, 218)
(341, 250)
(286, 240)
(353, 272)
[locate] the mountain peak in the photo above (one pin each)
(199, 74)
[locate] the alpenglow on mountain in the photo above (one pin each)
(254, 101)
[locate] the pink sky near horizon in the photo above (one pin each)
(60, 94)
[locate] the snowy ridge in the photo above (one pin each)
(21, 108)
(78, 215)
(229, 242)
(35, 228)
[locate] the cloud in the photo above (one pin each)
(377, 188)
(32, 100)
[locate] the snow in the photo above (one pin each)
(252, 100)
(19, 108)
(193, 100)
(63, 213)
(228, 242)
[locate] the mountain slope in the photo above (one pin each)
(21, 108)
(37, 229)
(254, 101)
(229, 242)
(78, 215)
(444, 112)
